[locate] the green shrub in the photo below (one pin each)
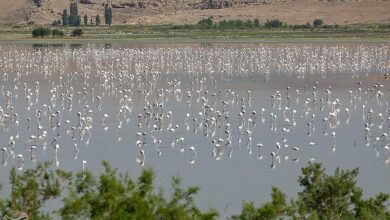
(327, 26)
(317, 22)
(274, 23)
(323, 197)
(301, 26)
(56, 22)
(57, 32)
(77, 32)
(116, 196)
(238, 24)
(206, 23)
(41, 32)
(248, 23)
(31, 190)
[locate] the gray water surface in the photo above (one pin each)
(335, 111)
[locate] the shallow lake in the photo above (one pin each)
(142, 105)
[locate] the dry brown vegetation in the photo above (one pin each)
(186, 12)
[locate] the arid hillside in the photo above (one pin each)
(186, 11)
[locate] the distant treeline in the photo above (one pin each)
(207, 23)
(74, 19)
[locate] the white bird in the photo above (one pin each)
(192, 153)
(5, 154)
(84, 165)
(20, 161)
(76, 151)
(141, 157)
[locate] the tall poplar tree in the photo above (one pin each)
(108, 14)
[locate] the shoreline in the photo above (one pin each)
(6, 39)
(180, 33)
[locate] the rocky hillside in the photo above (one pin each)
(190, 11)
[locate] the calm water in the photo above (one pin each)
(335, 110)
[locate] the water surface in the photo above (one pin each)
(328, 99)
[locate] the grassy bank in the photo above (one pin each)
(193, 32)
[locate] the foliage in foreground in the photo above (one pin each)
(323, 197)
(111, 196)
(115, 195)
(31, 190)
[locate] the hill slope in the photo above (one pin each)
(187, 11)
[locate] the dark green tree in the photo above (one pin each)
(97, 20)
(73, 8)
(317, 22)
(38, 3)
(65, 21)
(256, 23)
(85, 20)
(78, 21)
(108, 14)
(72, 20)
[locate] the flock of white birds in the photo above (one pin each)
(57, 98)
